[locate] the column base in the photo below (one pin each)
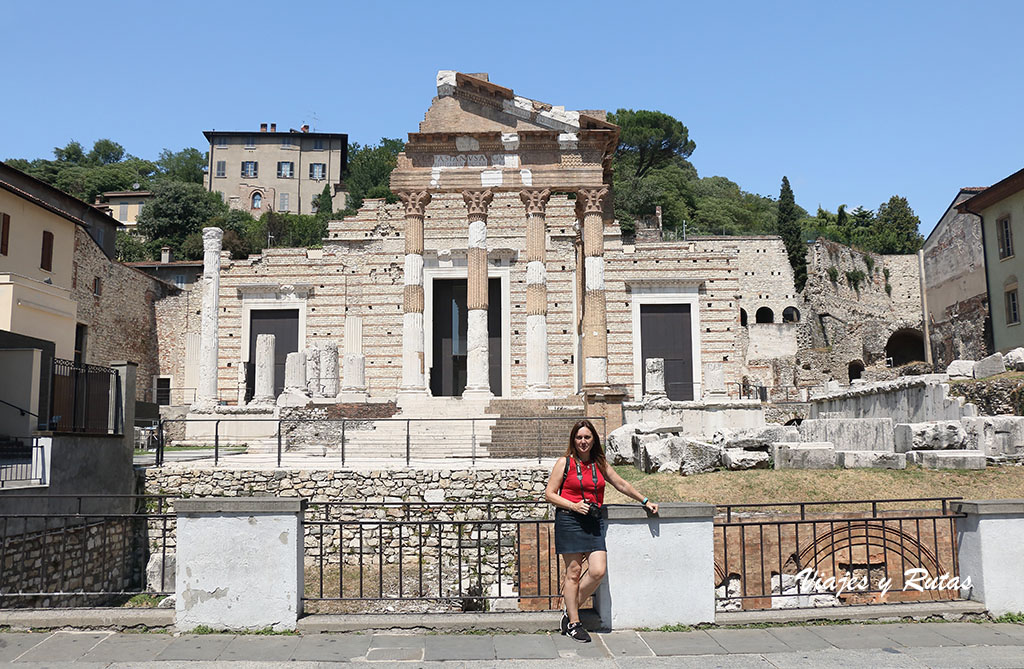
(538, 392)
(352, 396)
(477, 394)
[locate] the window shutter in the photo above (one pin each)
(46, 261)
(5, 232)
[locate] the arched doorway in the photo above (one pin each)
(790, 315)
(764, 315)
(743, 317)
(906, 345)
(856, 370)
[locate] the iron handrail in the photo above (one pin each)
(20, 409)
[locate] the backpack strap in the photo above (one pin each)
(565, 473)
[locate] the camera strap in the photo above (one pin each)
(593, 478)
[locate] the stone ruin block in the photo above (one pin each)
(760, 439)
(817, 455)
(855, 434)
(1014, 360)
(961, 369)
(618, 445)
(870, 460)
(931, 436)
(679, 454)
(736, 459)
(947, 459)
(989, 366)
(995, 435)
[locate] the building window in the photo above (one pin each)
(97, 286)
(122, 213)
(81, 337)
(1005, 237)
(318, 171)
(179, 280)
(284, 202)
(257, 200)
(100, 236)
(46, 259)
(318, 145)
(222, 168)
(285, 170)
(5, 232)
(250, 142)
(1012, 308)
(163, 390)
(250, 169)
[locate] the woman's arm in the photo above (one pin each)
(554, 484)
(625, 487)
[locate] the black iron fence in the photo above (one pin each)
(776, 394)
(354, 439)
(408, 557)
(84, 550)
(85, 398)
(23, 464)
(822, 554)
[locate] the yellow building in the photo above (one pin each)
(124, 206)
(37, 251)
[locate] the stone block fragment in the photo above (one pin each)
(819, 455)
(989, 366)
(961, 369)
(679, 454)
(619, 443)
(761, 439)
(870, 460)
(948, 459)
(738, 459)
(1014, 360)
(855, 434)
(160, 572)
(932, 436)
(995, 435)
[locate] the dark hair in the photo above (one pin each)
(596, 452)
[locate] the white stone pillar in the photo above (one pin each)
(990, 542)
(537, 383)
(590, 211)
(478, 383)
(294, 393)
(329, 370)
(239, 563)
(413, 373)
(353, 372)
(661, 569)
(654, 378)
(265, 352)
(206, 393)
(313, 370)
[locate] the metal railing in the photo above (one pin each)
(28, 468)
(373, 438)
(85, 398)
(170, 396)
(821, 554)
(83, 550)
(775, 394)
(430, 557)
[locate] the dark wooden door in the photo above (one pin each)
(665, 333)
(284, 325)
(451, 324)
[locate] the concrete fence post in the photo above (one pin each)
(990, 543)
(127, 372)
(239, 563)
(661, 569)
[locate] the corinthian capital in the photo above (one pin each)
(477, 201)
(590, 200)
(536, 201)
(415, 202)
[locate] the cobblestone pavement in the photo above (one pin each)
(882, 645)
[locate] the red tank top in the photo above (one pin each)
(571, 483)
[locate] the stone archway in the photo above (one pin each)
(855, 370)
(904, 346)
(764, 315)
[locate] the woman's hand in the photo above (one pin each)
(652, 507)
(580, 507)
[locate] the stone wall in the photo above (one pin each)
(121, 320)
(963, 332)
(993, 397)
(910, 399)
(177, 318)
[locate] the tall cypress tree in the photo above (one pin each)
(788, 227)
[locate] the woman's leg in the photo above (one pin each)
(571, 586)
(597, 564)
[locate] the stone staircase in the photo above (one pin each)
(514, 435)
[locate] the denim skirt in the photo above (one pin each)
(576, 533)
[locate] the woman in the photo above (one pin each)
(575, 487)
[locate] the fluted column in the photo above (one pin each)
(589, 208)
(206, 393)
(477, 355)
(413, 377)
(537, 384)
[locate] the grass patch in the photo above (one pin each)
(794, 485)
(266, 631)
(143, 600)
(1015, 618)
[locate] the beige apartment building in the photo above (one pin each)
(124, 206)
(276, 171)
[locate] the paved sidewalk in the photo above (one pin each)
(889, 645)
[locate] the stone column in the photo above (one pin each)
(537, 384)
(413, 376)
(329, 370)
(654, 378)
(265, 351)
(353, 378)
(206, 393)
(590, 210)
(313, 370)
(478, 383)
(294, 394)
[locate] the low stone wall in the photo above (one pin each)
(993, 397)
(321, 424)
(910, 399)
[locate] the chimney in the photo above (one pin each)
(305, 127)
(165, 254)
(273, 127)
(263, 127)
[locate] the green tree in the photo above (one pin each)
(71, 153)
(186, 165)
(788, 226)
(368, 172)
(105, 152)
(895, 228)
(178, 210)
(650, 139)
(322, 205)
(129, 247)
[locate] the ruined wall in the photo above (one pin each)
(177, 318)
(121, 320)
(849, 320)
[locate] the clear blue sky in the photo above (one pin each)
(853, 101)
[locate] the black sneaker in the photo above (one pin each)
(576, 632)
(563, 624)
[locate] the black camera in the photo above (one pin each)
(593, 510)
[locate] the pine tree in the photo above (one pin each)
(788, 227)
